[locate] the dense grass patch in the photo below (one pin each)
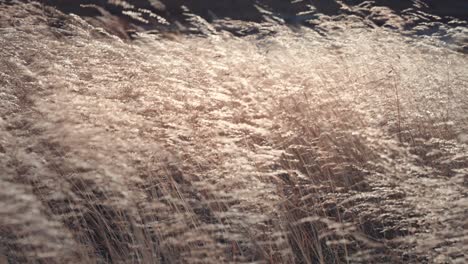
(291, 148)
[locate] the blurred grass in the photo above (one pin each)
(293, 148)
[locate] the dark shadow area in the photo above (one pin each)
(247, 9)
(413, 17)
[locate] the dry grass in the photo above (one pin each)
(293, 148)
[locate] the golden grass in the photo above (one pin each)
(289, 149)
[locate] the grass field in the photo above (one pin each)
(289, 148)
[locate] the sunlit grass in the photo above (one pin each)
(293, 148)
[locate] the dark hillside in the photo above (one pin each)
(444, 20)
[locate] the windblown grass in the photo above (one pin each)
(293, 148)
